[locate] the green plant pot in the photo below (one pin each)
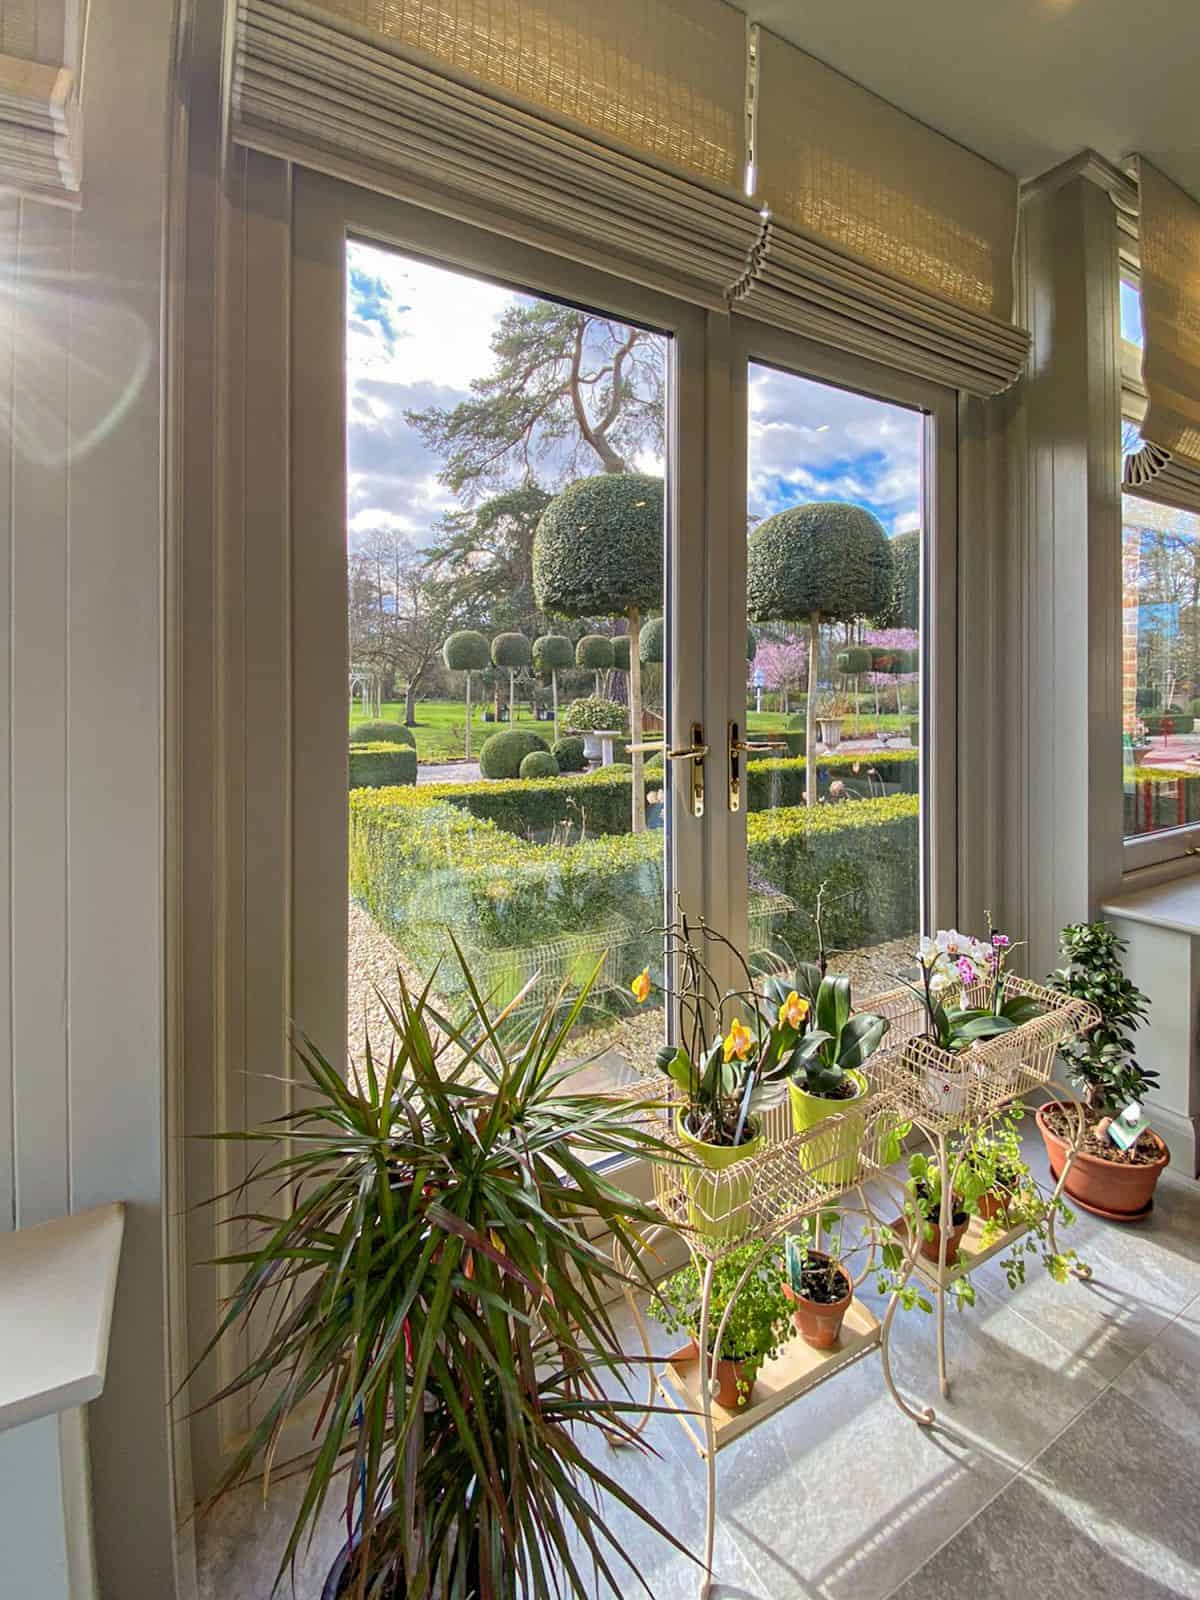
(833, 1158)
(718, 1206)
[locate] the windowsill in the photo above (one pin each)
(1143, 868)
(1173, 905)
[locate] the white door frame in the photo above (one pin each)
(753, 341)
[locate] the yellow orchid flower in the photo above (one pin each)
(640, 987)
(794, 1010)
(738, 1040)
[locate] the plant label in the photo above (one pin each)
(1125, 1128)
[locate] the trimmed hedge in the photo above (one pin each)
(568, 752)
(1181, 721)
(503, 753)
(594, 650)
(1161, 797)
(539, 764)
(423, 867)
(375, 765)
(382, 733)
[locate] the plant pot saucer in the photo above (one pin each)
(1108, 1216)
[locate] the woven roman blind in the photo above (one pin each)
(885, 237)
(666, 77)
(611, 133)
(1170, 282)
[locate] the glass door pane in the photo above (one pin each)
(833, 676)
(506, 532)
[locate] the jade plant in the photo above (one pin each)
(1101, 1064)
(759, 1323)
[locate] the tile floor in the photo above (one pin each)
(1066, 1461)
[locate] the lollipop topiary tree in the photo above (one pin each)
(903, 609)
(822, 562)
(512, 650)
(595, 652)
(852, 663)
(467, 652)
(620, 646)
(551, 653)
(598, 552)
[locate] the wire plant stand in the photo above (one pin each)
(792, 1178)
(945, 1095)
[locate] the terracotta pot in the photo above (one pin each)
(994, 1204)
(930, 1248)
(728, 1374)
(1117, 1190)
(729, 1395)
(819, 1323)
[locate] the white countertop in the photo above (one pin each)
(57, 1283)
(1174, 905)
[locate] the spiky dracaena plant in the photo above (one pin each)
(433, 1285)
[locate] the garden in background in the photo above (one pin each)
(508, 639)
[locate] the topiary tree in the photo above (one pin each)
(595, 652)
(551, 654)
(652, 644)
(512, 650)
(503, 753)
(824, 562)
(852, 663)
(569, 754)
(903, 608)
(467, 651)
(539, 764)
(598, 551)
(382, 733)
(620, 647)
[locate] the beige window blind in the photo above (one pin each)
(885, 238)
(1170, 283)
(845, 166)
(666, 77)
(613, 133)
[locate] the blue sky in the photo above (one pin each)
(417, 335)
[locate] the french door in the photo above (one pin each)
(416, 341)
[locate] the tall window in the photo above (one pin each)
(1160, 666)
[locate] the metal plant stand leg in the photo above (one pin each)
(945, 1224)
(710, 1439)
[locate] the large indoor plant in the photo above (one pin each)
(1104, 1177)
(758, 1325)
(431, 1289)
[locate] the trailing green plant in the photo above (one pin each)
(378, 765)
(503, 753)
(1102, 1064)
(760, 1322)
(385, 732)
(432, 1292)
(593, 714)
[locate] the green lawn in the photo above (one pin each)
(440, 726)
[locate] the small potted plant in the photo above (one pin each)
(1112, 1175)
(758, 1325)
(817, 1283)
(923, 1206)
(601, 722)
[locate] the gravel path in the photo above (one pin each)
(448, 772)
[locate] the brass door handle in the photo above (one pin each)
(695, 753)
(651, 744)
(737, 748)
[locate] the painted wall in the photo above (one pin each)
(81, 851)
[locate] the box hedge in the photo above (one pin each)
(1180, 721)
(539, 764)
(503, 753)
(377, 765)
(568, 752)
(1161, 797)
(376, 732)
(423, 869)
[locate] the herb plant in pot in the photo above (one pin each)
(1104, 1178)
(758, 1324)
(429, 1287)
(817, 1283)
